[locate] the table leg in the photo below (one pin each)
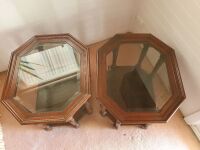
(117, 124)
(103, 111)
(88, 107)
(74, 123)
(47, 127)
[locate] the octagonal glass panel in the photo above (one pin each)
(48, 77)
(137, 78)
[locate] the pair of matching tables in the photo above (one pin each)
(49, 80)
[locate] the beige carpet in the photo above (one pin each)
(2, 146)
(97, 133)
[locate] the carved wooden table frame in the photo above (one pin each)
(142, 118)
(47, 118)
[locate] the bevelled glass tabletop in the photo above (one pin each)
(48, 77)
(137, 78)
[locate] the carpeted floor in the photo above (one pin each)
(97, 133)
(2, 146)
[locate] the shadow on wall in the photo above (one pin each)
(191, 86)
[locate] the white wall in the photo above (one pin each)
(177, 23)
(87, 20)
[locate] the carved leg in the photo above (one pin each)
(88, 108)
(74, 123)
(143, 126)
(117, 124)
(47, 127)
(103, 111)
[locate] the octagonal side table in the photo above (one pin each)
(138, 80)
(48, 81)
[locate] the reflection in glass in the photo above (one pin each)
(48, 77)
(137, 78)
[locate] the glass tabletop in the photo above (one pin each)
(48, 77)
(137, 78)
